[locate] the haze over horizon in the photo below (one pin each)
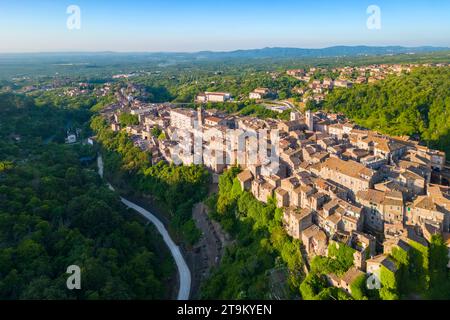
(82, 52)
(193, 26)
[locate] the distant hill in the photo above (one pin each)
(277, 52)
(337, 51)
(98, 64)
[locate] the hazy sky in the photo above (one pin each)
(192, 25)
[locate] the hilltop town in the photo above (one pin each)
(266, 154)
(342, 201)
(336, 182)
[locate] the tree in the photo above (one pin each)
(156, 131)
(54, 213)
(358, 288)
(127, 119)
(5, 166)
(439, 274)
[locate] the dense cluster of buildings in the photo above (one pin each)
(335, 182)
(344, 184)
(85, 89)
(320, 81)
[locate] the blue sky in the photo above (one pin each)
(193, 25)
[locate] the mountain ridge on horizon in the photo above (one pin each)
(277, 51)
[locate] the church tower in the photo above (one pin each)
(295, 116)
(309, 120)
(200, 117)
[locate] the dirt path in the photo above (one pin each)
(209, 250)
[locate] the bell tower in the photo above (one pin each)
(309, 120)
(200, 117)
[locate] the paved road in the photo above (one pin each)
(288, 104)
(183, 269)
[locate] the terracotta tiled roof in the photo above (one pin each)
(371, 195)
(334, 218)
(315, 232)
(425, 202)
(281, 191)
(351, 275)
(245, 175)
(349, 168)
(385, 261)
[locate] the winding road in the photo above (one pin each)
(183, 269)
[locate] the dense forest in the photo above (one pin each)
(416, 104)
(55, 211)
